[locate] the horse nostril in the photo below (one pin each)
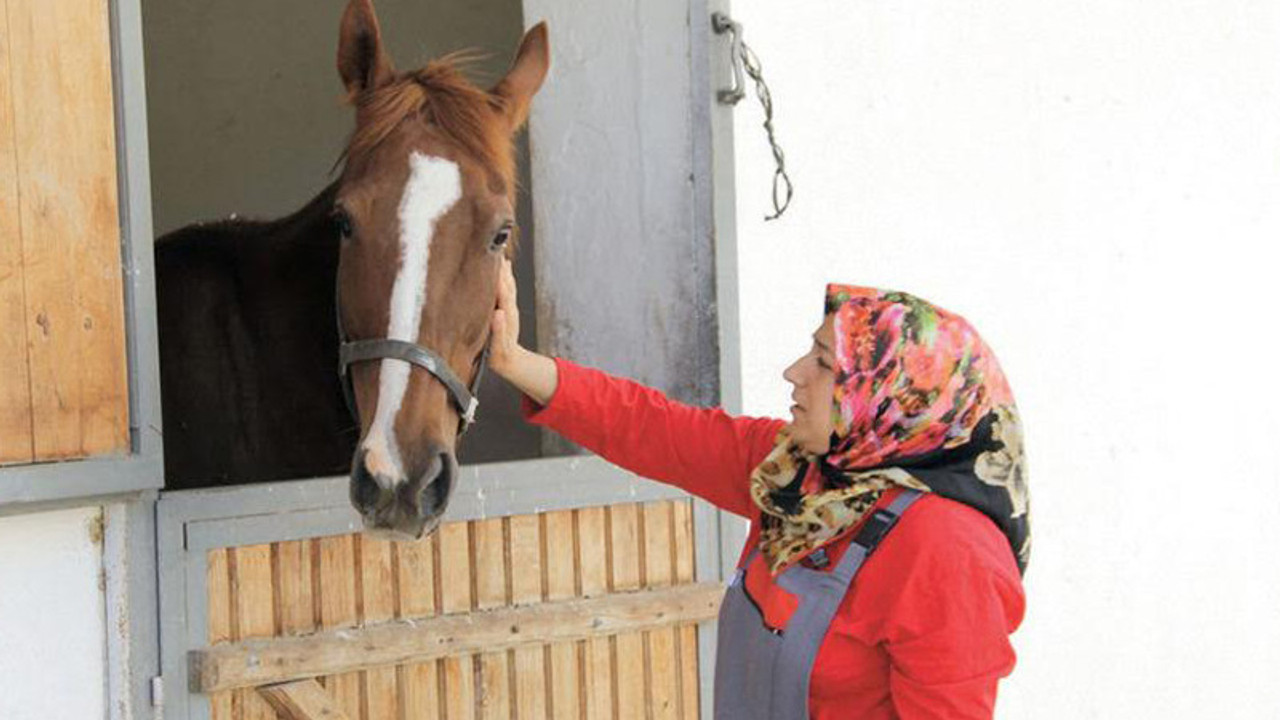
(437, 486)
(364, 488)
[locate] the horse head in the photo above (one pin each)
(425, 208)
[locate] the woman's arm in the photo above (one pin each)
(706, 452)
(946, 592)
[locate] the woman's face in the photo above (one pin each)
(814, 379)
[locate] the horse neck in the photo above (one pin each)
(294, 264)
(308, 231)
(249, 307)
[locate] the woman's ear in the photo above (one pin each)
(362, 64)
(525, 76)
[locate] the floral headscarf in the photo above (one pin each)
(920, 402)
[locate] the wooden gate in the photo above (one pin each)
(568, 605)
(567, 614)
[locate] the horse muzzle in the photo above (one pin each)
(401, 509)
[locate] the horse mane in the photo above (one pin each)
(438, 94)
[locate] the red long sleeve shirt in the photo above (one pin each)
(923, 631)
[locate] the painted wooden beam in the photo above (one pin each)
(301, 700)
(261, 662)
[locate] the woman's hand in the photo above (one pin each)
(532, 374)
(506, 322)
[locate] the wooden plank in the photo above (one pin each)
(525, 551)
(454, 573)
(338, 610)
(688, 634)
(690, 681)
(490, 568)
(294, 582)
(626, 573)
(68, 211)
(663, 673)
(415, 565)
(261, 662)
(624, 547)
(659, 558)
(416, 568)
(378, 595)
(301, 700)
(218, 589)
(561, 557)
(254, 597)
(659, 564)
(15, 381)
(596, 654)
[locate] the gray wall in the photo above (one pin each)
(626, 261)
(246, 117)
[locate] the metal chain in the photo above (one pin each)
(751, 64)
(743, 58)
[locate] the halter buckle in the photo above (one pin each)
(469, 415)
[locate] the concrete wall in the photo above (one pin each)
(625, 279)
(1094, 185)
(52, 616)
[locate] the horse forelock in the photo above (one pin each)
(438, 94)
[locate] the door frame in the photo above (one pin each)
(187, 524)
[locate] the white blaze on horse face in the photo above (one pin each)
(434, 186)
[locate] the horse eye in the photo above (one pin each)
(502, 237)
(343, 221)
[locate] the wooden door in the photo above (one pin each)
(63, 367)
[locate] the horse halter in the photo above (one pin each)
(355, 351)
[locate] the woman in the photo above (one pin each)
(901, 411)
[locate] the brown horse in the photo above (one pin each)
(402, 253)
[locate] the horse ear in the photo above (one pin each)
(361, 62)
(526, 74)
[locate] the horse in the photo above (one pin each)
(390, 274)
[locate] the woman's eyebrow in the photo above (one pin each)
(821, 344)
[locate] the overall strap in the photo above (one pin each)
(820, 596)
(872, 532)
(866, 541)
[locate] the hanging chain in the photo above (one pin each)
(743, 59)
(782, 189)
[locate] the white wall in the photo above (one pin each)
(1096, 185)
(52, 629)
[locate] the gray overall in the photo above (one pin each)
(763, 673)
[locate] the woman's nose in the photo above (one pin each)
(791, 374)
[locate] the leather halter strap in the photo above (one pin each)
(356, 351)
(364, 350)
